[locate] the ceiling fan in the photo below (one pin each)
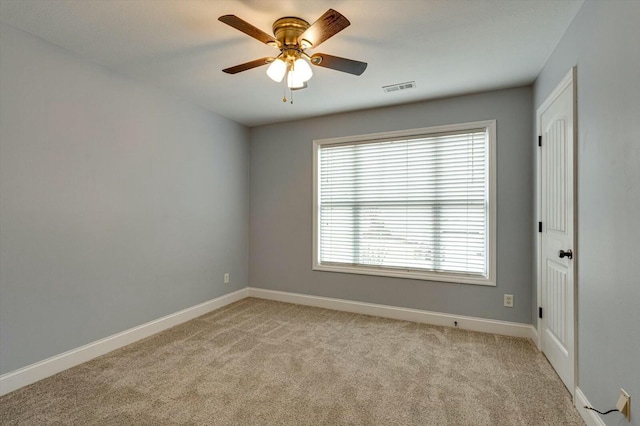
(292, 36)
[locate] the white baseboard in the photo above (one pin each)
(50, 366)
(435, 318)
(591, 418)
(536, 338)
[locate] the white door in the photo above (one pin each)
(557, 251)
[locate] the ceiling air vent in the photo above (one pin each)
(399, 86)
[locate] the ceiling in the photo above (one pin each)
(448, 47)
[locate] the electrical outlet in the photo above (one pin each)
(508, 300)
(624, 404)
(226, 278)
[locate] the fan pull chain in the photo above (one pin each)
(291, 94)
(284, 89)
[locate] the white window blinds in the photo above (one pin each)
(417, 203)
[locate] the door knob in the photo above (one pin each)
(567, 253)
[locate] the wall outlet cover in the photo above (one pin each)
(508, 300)
(624, 404)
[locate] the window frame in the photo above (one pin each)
(460, 278)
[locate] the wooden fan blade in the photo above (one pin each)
(340, 64)
(248, 29)
(328, 25)
(248, 65)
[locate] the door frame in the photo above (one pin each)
(569, 79)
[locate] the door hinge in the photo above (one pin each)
(539, 226)
(540, 312)
(540, 140)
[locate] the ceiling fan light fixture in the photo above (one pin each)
(293, 80)
(292, 36)
(303, 69)
(277, 70)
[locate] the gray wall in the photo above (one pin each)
(118, 204)
(603, 42)
(281, 199)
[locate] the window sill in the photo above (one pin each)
(402, 273)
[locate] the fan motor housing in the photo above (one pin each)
(288, 29)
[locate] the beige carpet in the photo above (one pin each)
(258, 362)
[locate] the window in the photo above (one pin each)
(414, 204)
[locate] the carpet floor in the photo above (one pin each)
(259, 362)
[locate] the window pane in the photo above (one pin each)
(418, 203)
